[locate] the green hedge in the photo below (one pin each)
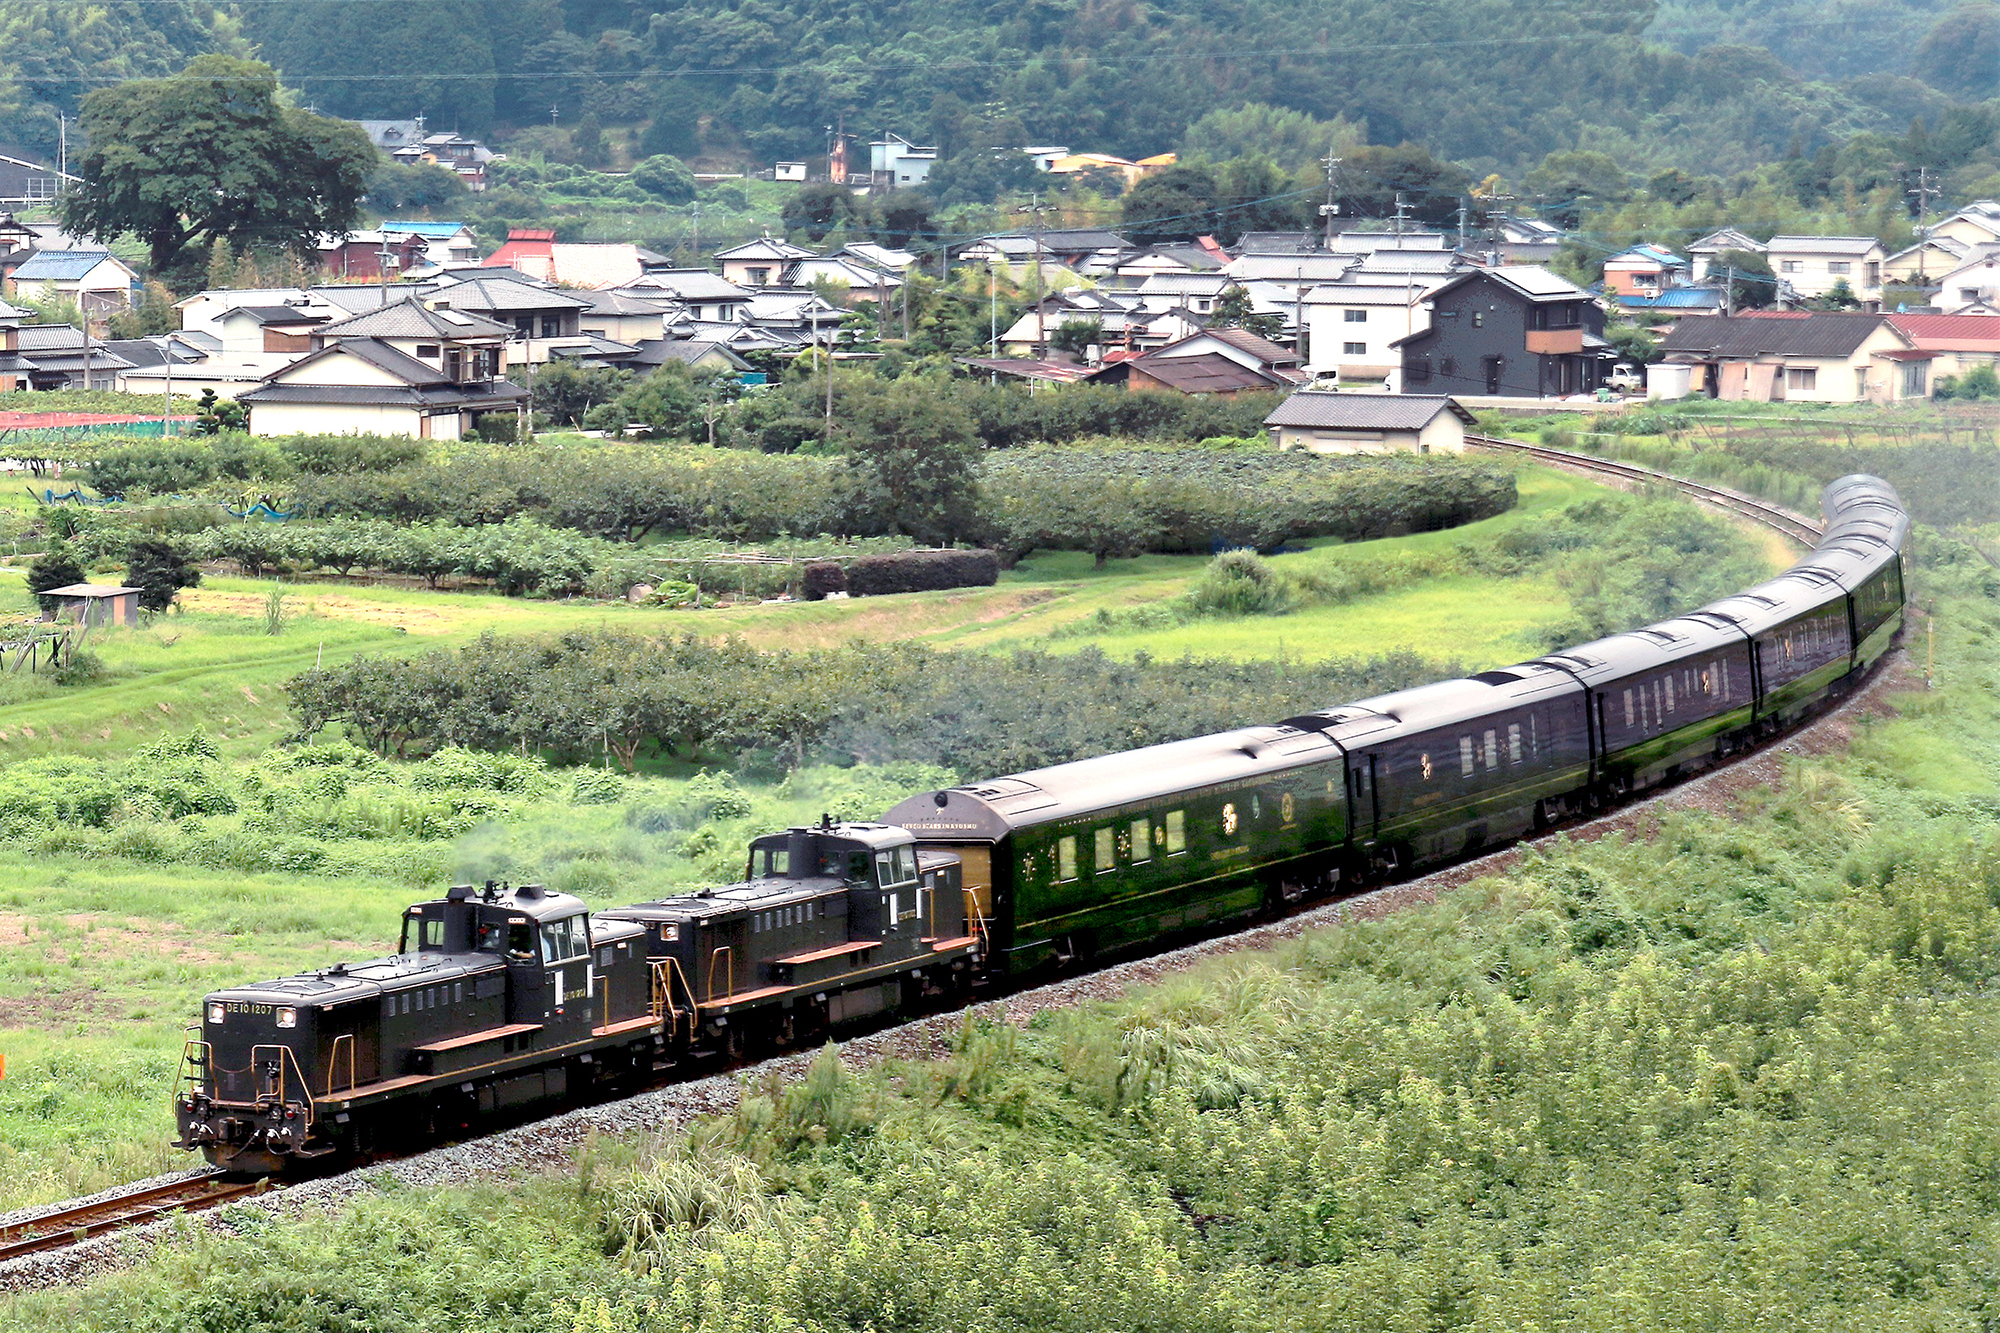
(922, 571)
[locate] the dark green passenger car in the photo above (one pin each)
(1087, 857)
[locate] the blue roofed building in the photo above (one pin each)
(97, 280)
(446, 244)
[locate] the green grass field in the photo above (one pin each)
(108, 936)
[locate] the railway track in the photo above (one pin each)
(1796, 526)
(128, 1208)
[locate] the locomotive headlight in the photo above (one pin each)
(288, 1017)
(215, 1013)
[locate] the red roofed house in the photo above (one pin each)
(528, 249)
(1958, 342)
(539, 254)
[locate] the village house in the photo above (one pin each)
(545, 321)
(98, 281)
(59, 357)
(1345, 423)
(1974, 283)
(1811, 266)
(760, 263)
(361, 256)
(1525, 241)
(1705, 255)
(368, 386)
(1815, 358)
(1643, 270)
(1353, 329)
(1921, 265)
(701, 295)
(445, 244)
(894, 163)
(1515, 332)
(1978, 223)
(407, 143)
(1957, 343)
(537, 253)
(1225, 362)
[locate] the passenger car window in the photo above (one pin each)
(1142, 840)
(1492, 751)
(1513, 742)
(1107, 849)
(1066, 857)
(1176, 832)
(1464, 757)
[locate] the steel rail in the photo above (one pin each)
(1794, 525)
(134, 1207)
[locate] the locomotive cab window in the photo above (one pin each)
(896, 866)
(421, 932)
(564, 939)
(773, 862)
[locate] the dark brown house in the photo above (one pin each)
(1513, 332)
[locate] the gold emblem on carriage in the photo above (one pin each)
(1286, 807)
(1229, 820)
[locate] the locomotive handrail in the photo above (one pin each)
(288, 1061)
(976, 919)
(727, 956)
(197, 1059)
(665, 968)
(333, 1056)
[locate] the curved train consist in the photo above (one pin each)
(501, 996)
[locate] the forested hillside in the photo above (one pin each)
(1497, 85)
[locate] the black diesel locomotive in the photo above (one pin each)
(502, 996)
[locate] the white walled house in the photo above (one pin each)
(1321, 422)
(97, 280)
(1351, 328)
(366, 386)
(1810, 266)
(1823, 358)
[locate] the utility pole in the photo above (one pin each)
(694, 254)
(1924, 192)
(1400, 207)
(1299, 313)
(992, 313)
(167, 415)
(1330, 209)
(382, 258)
(1463, 213)
(1729, 289)
(829, 384)
(909, 276)
(1036, 208)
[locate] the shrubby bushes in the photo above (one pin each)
(1128, 502)
(530, 525)
(581, 695)
(921, 571)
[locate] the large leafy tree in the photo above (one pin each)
(212, 154)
